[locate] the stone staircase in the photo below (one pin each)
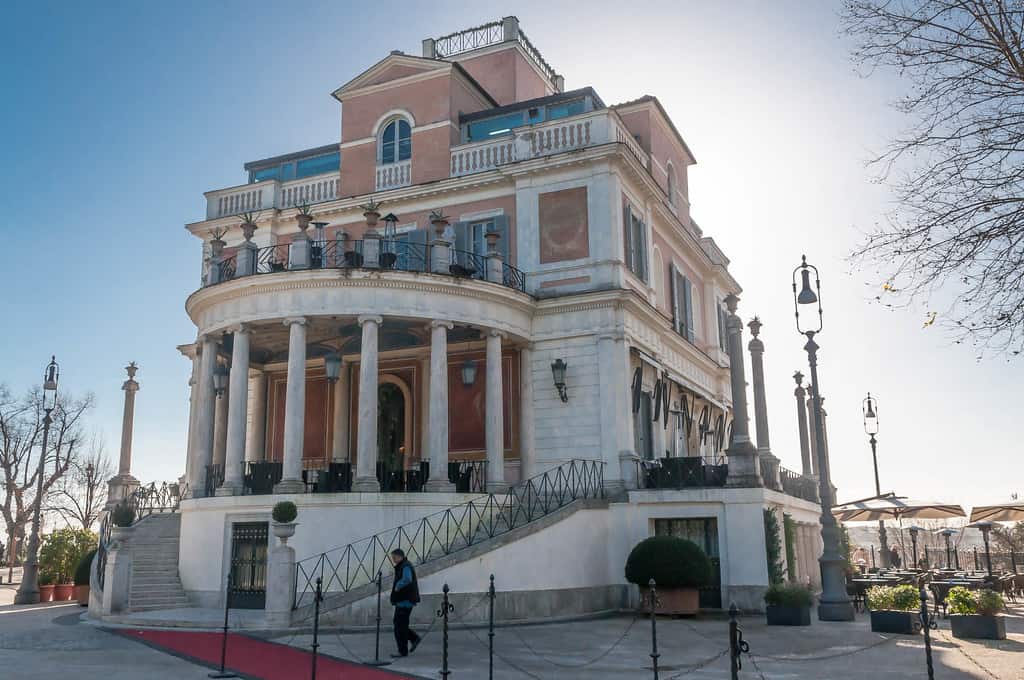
(154, 578)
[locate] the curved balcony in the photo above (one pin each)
(379, 255)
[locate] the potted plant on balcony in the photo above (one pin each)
(788, 604)
(679, 568)
(249, 224)
(371, 211)
(894, 609)
(304, 217)
(284, 514)
(83, 573)
(217, 243)
(976, 614)
(46, 585)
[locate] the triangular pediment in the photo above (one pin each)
(390, 68)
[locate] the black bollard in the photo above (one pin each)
(926, 625)
(224, 636)
(734, 643)
(446, 608)
(977, 567)
(490, 633)
(653, 595)
(317, 598)
(376, 645)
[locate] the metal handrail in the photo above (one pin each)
(691, 472)
(456, 528)
(798, 485)
(394, 255)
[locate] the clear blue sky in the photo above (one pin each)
(119, 115)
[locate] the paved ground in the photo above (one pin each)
(50, 641)
(612, 648)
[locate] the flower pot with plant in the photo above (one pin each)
(679, 568)
(894, 609)
(284, 514)
(83, 574)
(303, 217)
(371, 211)
(46, 586)
(59, 555)
(788, 604)
(976, 614)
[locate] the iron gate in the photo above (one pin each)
(248, 565)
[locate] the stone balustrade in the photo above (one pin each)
(271, 194)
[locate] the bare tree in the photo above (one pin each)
(80, 496)
(21, 433)
(956, 239)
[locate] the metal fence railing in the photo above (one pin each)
(682, 472)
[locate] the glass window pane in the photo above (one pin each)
(404, 149)
(565, 109)
(288, 171)
(492, 127)
(266, 173)
(318, 165)
(389, 132)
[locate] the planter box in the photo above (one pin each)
(978, 626)
(63, 592)
(677, 601)
(82, 595)
(788, 616)
(902, 623)
(46, 593)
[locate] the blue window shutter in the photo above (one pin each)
(627, 237)
(672, 278)
(417, 252)
(642, 248)
(688, 301)
(501, 226)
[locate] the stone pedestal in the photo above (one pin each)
(117, 580)
(440, 256)
(744, 467)
(298, 253)
(246, 259)
(280, 586)
(119, 488)
(495, 268)
(371, 249)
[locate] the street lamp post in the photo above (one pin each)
(870, 409)
(834, 604)
(28, 591)
(986, 527)
(913, 542)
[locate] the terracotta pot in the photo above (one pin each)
(82, 595)
(248, 229)
(304, 221)
(371, 218)
(439, 226)
(46, 593)
(63, 592)
(685, 601)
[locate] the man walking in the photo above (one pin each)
(405, 594)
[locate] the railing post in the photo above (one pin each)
(490, 632)
(376, 644)
(926, 625)
(316, 626)
(735, 643)
(224, 635)
(446, 608)
(652, 595)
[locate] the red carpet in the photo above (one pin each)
(255, 658)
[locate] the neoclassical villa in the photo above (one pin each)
(481, 326)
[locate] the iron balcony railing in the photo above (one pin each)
(798, 486)
(348, 254)
(468, 476)
(144, 501)
(456, 528)
(214, 479)
(684, 472)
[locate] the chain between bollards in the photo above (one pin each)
(490, 632)
(317, 599)
(224, 635)
(376, 644)
(446, 608)
(926, 626)
(652, 596)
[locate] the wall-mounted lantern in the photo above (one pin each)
(220, 380)
(468, 372)
(558, 367)
(332, 363)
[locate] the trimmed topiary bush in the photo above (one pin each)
(285, 512)
(122, 515)
(671, 561)
(82, 571)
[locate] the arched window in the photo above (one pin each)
(396, 142)
(671, 184)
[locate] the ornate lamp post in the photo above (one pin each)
(28, 591)
(870, 409)
(834, 604)
(947, 533)
(914, 531)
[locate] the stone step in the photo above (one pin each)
(156, 599)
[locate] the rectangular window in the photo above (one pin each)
(722, 342)
(318, 165)
(643, 431)
(492, 127)
(478, 229)
(265, 174)
(566, 109)
(635, 236)
(682, 304)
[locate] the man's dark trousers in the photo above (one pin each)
(403, 634)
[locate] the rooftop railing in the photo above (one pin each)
(381, 255)
(272, 194)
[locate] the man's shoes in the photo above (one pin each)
(399, 656)
(414, 645)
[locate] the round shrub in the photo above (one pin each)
(899, 598)
(671, 561)
(122, 515)
(82, 571)
(788, 595)
(989, 603)
(285, 512)
(961, 600)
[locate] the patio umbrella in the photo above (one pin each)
(1010, 512)
(891, 506)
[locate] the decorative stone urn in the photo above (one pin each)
(304, 219)
(248, 229)
(283, 530)
(492, 241)
(217, 246)
(372, 216)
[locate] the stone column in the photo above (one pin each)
(623, 377)
(366, 442)
(438, 408)
(294, 408)
(424, 404)
(237, 413)
(764, 449)
(124, 483)
(191, 351)
(220, 426)
(340, 439)
(812, 433)
(256, 434)
(744, 468)
(801, 424)
(527, 453)
(203, 443)
(280, 594)
(495, 435)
